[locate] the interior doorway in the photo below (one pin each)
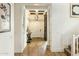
(37, 24)
(37, 18)
(36, 31)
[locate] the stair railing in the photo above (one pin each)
(75, 45)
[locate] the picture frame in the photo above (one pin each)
(74, 10)
(5, 17)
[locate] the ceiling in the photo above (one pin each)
(37, 5)
(36, 14)
(37, 10)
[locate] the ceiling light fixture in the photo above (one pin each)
(36, 4)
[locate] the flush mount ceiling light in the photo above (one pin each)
(36, 4)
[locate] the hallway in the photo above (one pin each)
(37, 47)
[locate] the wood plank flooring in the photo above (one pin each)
(49, 53)
(37, 47)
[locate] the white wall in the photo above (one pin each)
(37, 28)
(20, 32)
(7, 38)
(62, 26)
(24, 28)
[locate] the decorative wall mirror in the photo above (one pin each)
(5, 17)
(75, 10)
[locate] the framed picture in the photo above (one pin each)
(5, 17)
(74, 10)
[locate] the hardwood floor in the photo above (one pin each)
(37, 47)
(49, 53)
